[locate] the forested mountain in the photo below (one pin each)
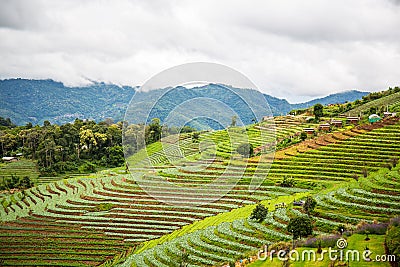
(38, 100)
(35, 101)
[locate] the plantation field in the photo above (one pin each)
(111, 213)
(230, 241)
(19, 168)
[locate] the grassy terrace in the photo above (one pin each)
(215, 244)
(20, 168)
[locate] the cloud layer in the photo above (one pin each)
(291, 49)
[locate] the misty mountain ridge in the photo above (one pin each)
(34, 101)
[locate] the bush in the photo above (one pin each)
(309, 205)
(259, 213)
(373, 229)
(392, 241)
(287, 182)
(300, 226)
(87, 167)
(104, 206)
(364, 172)
(325, 241)
(246, 150)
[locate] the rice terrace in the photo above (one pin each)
(69, 197)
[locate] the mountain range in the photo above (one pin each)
(34, 101)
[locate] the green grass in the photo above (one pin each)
(355, 242)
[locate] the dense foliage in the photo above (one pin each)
(246, 150)
(259, 213)
(309, 205)
(300, 226)
(81, 145)
(393, 240)
(15, 182)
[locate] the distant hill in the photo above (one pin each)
(35, 101)
(338, 98)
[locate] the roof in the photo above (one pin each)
(8, 158)
(374, 116)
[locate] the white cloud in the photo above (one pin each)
(291, 49)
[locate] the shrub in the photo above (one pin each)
(325, 241)
(104, 206)
(300, 226)
(364, 172)
(259, 213)
(246, 150)
(355, 176)
(373, 229)
(309, 205)
(392, 241)
(287, 182)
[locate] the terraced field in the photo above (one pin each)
(20, 168)
(230, 241)
(114, 209)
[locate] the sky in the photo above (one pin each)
(297, 50)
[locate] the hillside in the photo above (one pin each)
(103, 215)
(38, 100)
(35, 101)
(338, 98)
(390, 102)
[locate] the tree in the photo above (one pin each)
(259, 213)
(25, 183)
(246, 150)
(234, 120)
(318, 111)
(115, 156)
(153, 133)
(300, 226)
(303, 136)
(309, 205)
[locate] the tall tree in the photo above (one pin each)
(300, 226)
(318, 111)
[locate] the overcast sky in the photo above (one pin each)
(290, 49)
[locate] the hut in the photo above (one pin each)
(374, 118)
(389, 114)
(309, 130)
(353, 120)
(337, 123)
(9, 159)
(325, 127)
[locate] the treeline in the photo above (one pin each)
(377, 95)
(79, 146)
